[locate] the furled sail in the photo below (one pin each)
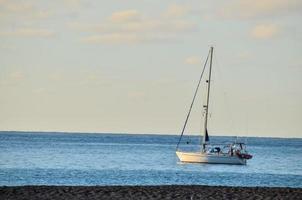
(207, 139)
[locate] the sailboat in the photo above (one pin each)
(232, 153)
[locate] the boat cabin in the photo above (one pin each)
(233, 149)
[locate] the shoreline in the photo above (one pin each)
(148, 192)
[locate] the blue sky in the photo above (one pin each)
(132, 66)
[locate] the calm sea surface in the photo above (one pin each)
(120, 159)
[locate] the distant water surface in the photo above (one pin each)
(119, 159)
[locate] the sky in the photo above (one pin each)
(132, 66)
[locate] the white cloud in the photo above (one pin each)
(17, 75)
(176, 10)
(111, 38)
(244, 55)
(147, 25)
(13, 78)
(29, 32)
(245, 9)
(137, 95)
(125, 16)
(130, 26)
(193, 60)
(264, 31)
(16, 10)
(125, 38)
(18, 7)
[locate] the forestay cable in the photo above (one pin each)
(188, 115)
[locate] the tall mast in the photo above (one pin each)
(206, 137)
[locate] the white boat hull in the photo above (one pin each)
(198, 157)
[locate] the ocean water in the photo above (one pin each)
(120, 159)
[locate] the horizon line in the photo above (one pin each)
(133, 133)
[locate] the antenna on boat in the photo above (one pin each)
(206, 107)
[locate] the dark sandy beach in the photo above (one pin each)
(147, 192)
